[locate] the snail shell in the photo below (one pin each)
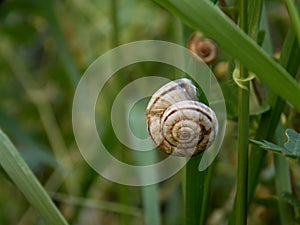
(204, 48)
(177, 122)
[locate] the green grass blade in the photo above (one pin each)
(294, 16)
(194, 191)
(150, 196)
(203, 15)
(67, 59)
(151, 204)
(22, 176)
(206, 192)
(115, 23)
(254, 13)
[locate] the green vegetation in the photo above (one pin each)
(47, 45)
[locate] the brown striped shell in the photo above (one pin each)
(178, 123)
(204, 48)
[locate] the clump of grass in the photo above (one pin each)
(34, 121)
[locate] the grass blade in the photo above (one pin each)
(22, 176)
(194, 191)
(67, 60)
(150, 193)
(294, 16)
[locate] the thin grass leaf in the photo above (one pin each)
(294, 16)
(249, 26)
(254, 14)
(194, 191)
(150, 196)
(22, 176)
(272, 147)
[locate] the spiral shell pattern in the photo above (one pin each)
(179, 124)
(204, 48)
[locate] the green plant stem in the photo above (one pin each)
(115, 23)
(150, 194)
(22, 176)
(294, 16)
(194, 191)
(243, 133)
(197, 191)
(242, 173)
(282, 181)
(206, 193)
(148, 203)
(151, 205)
(64, 51)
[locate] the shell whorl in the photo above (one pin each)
(177, 122)
(204, 48)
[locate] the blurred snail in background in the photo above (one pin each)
(177, 122)
(204, 48)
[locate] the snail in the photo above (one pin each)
(177, 122)
(204, 48)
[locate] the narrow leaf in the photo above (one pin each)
(275, 148)
(294, 16)
(22, 176)
(270, 146)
